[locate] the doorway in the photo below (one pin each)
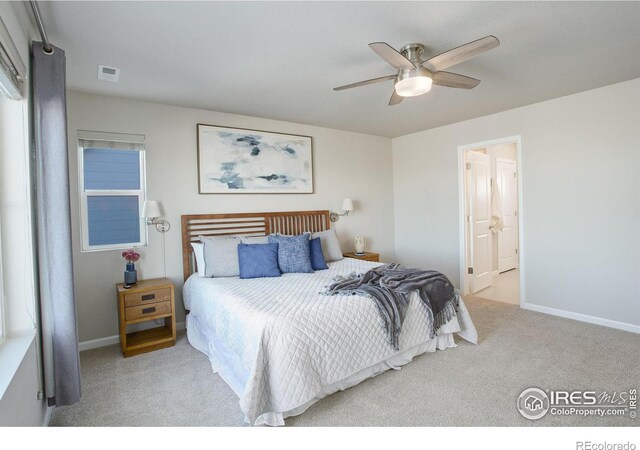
(491, 220)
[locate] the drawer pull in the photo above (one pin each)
(148, 297)
(149, 310)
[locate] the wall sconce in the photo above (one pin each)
(151, 212)
(347, 207)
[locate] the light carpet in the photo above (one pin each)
(463, 386)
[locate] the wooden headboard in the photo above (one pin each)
(246, 224)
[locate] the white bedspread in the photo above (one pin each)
(281, 345)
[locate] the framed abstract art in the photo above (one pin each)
(239, 161)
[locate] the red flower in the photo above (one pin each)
(130, 255)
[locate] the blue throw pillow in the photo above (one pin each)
(258, 260)
(293, 253)
(317, 257)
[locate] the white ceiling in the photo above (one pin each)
(281, 60)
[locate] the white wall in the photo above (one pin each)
(20, 405)
(506, 151)
(581, 207)
(345, 165)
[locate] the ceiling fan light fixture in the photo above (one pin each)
(415, 75)
(414, 86)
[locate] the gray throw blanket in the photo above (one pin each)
(390, 287)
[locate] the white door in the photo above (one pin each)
(478, 167)
(506, 178)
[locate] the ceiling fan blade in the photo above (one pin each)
(454, 80)
(391, 55)
(460, 54)
(364, 83)
(395, 98)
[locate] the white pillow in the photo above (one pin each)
(198, 252)
(221, 256)
(330, 245)
(254, 239)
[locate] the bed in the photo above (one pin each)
(279, 343)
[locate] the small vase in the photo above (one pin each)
(130, 274)
(359, 243)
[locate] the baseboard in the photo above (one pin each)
(47, 415)
(583, 317)
(96, 343)
(110, 340)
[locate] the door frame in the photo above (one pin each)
(463, 225)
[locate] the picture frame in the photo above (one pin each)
(246, 161)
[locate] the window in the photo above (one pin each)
(112, 190)
(1, 293)
(11, 126)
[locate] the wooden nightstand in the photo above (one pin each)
(144, 301)
(374, 257)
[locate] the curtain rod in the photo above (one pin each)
(36, 14)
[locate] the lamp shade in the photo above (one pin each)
(347, 204)
(151, 209)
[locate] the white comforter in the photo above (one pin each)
(281, 345)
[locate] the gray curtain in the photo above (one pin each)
(55, 269)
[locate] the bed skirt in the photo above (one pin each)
(228, 365)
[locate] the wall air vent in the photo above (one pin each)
(107, 73)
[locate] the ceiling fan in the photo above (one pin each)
(415, 76)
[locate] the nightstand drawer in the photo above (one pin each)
(143, 298)
(145, 311)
